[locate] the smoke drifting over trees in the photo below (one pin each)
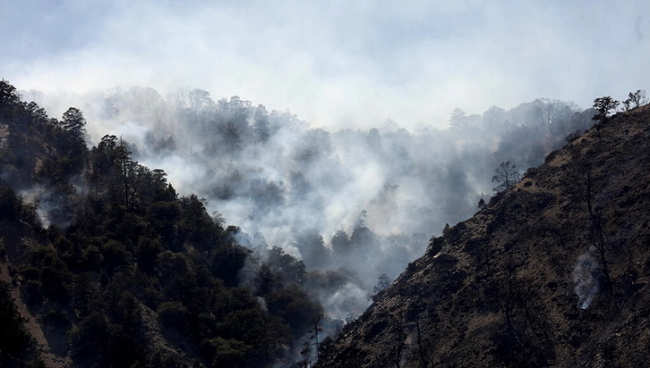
(321, 221)
(363, 200)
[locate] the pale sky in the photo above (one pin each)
(335, 62)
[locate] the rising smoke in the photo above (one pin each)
(366, 201)
(585, 278)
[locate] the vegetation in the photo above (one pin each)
(118, 269)
(120, 245)
(635, 100)
(507, 175)
(604, 105)
(14, 339)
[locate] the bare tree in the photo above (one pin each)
(637, 98)
(507, 175)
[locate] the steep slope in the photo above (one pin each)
(553, 272)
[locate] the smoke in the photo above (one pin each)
(366, 201)
(346, 301)
(52, 207)
(585, 278)
(262, 303)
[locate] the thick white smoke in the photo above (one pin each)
(363, 200)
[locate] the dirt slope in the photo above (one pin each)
(553, 272)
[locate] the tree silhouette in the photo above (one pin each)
(459, 119)
(637, 98)
(604, 105)
(481, 204)
(383, 284)
(507, 175)
(74, 122)
(8, 94)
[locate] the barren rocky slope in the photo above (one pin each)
(553, 272)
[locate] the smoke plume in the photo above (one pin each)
(365, 201)
(585, 278)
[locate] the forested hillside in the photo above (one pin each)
(129, 273)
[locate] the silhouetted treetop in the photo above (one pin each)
(507, 175)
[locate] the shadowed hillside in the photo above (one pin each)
(552, 272)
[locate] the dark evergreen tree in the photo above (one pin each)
(507, 175)
(74, 122)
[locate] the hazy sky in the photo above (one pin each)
(335, 62)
